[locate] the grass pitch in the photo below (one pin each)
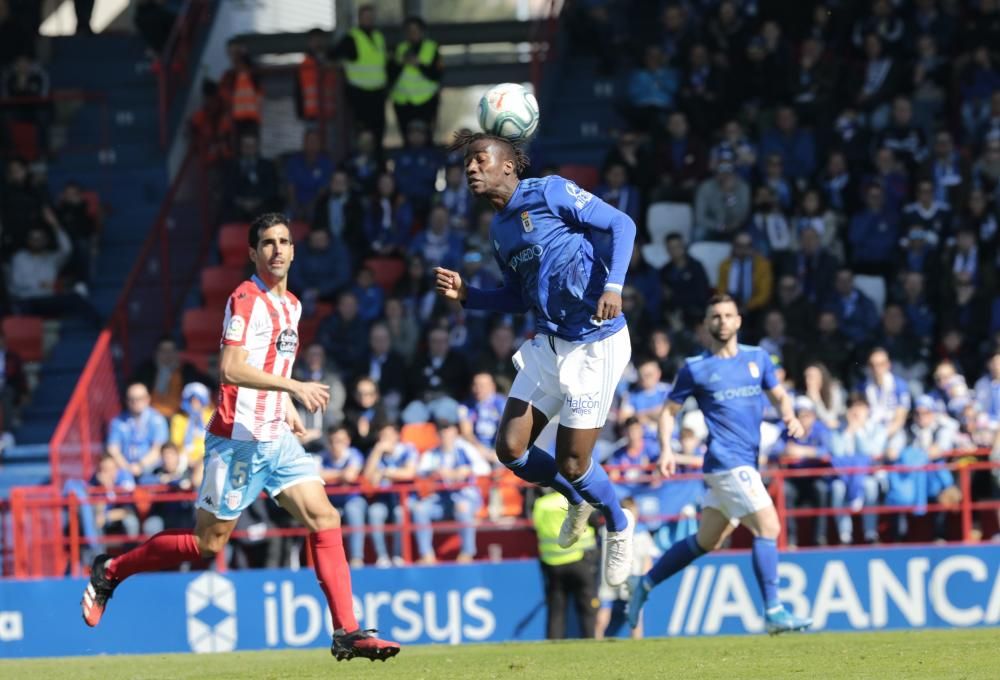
(896, 655)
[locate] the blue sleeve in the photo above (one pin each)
(781, 444)
(902, 393)
(683, 385)
(355, 459)
(506, 299)
(115, 435)
(161, 433)
(769, 380)
(577, 206)
(823, 440)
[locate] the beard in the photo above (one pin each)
(720, 335)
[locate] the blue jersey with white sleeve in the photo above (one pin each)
(559, 248)
(728, 392)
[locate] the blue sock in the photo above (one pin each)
(596, 489)
(538, 467)
(765, 568)
(676, 558)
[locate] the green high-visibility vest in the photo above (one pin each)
(412, 86)
(548, 514)
(367, 72)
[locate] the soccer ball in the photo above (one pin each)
(510, 111)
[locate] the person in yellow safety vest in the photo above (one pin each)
(364, 57)
(567, 572)
(416, 71)
(240, 87)
(317, 80)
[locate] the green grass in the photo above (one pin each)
(885, 656)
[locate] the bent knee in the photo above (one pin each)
(770, 528)
(210, 546)
(320, 519)
(510, 447)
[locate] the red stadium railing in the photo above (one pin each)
(147, 309)
(545, 30)
(174, 67)
(47, 538)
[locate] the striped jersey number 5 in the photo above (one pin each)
(238, 474)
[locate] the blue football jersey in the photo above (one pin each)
(728, 392)
(646, 400)
(558, 247)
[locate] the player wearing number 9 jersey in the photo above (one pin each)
(727, 382)
(251, 446)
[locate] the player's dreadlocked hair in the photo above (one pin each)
(463, 138)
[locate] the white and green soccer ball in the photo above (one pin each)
(508, 110)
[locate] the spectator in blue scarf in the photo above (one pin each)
(860, 443)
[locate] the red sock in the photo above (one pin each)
(164, 550)
(334, 576)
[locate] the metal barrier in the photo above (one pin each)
(47, 538)
(174, 67)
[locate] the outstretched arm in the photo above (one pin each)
(506, 299)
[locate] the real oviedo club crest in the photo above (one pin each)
(287, 342)
(526, 221)
(754, 371)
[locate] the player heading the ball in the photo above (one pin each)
(563, 253)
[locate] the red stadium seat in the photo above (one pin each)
(323, 310)
(299, 230)
(24, 138)
(307, 331)
(197, 359)
(233, 244)
(584, 175)
(24, 336)
(424, 436)
(202, 329)
(217, 283)
(93, 201)
(387, 270)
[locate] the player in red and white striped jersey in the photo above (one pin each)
(266, 327)
(251, 447)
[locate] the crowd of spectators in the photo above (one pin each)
(821, 141)
(47, 243)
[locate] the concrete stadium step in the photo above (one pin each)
(36, 430)
(84, 47)
(25, 466)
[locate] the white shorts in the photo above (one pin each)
(736, 493)
(575, 380)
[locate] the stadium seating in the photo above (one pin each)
(662, 219)
(308, 327)
(217, 283)
(24, 138)
(202, 328)
(873, 287)
(233, 244)
(24, 336)
(423, 436)
(197, 359)
(387, 271)
(710, 254)
(584, 175)
(665, 218)
(299, 230)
